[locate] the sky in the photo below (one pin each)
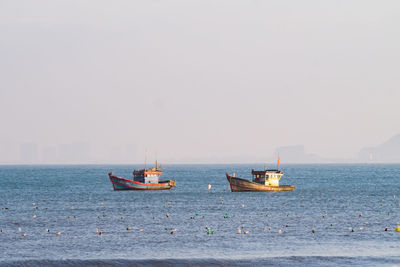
(196, 81)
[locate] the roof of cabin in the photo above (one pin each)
(147, 171)
(265, 172)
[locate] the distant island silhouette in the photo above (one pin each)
(388, 152)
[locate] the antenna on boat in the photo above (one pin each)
(156, 160)
(145, 158)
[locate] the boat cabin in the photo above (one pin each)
(148, 176)
(267, 177)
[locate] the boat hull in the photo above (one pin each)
(243, 185)
(126, 184)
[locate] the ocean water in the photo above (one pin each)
(348, 206)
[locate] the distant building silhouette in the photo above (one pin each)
(131, 154)
(78, 153)
(115, 155)
(49, 155)
(29, 153)
(9, 153)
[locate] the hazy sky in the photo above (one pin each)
(204, 80)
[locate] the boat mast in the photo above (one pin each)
(279, 161)
(145, 158)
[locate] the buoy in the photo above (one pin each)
(280, 231)
(167, 215)
(58, 234)
(209, 187)
(34, 216)
(246, 232)
(397, 229)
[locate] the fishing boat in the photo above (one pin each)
(143, 179)
(266, 180)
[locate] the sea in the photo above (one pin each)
(338, 215)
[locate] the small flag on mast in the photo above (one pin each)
(279, 160)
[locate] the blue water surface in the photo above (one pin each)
(347, 206)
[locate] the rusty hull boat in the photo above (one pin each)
(267, 180)
(143, 179)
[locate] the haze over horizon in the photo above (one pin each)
(196, 81)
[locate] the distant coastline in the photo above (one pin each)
(387, 152)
